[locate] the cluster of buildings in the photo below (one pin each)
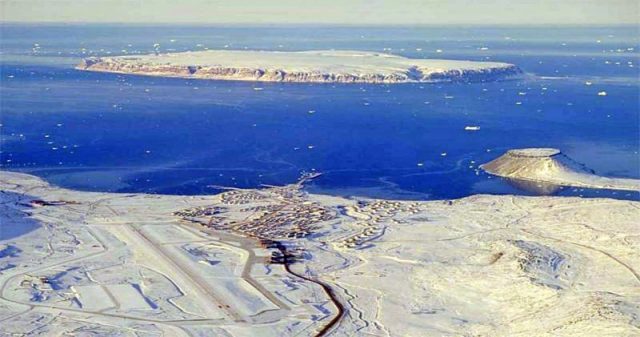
(373, 214)
(274, 215)
(241, 197)
(198, 212)
(295, 220)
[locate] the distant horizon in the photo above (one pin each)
(329, 12)
(311, 24)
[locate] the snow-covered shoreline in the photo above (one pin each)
(304, 67)
(208, 265)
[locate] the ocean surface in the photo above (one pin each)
(108, 132)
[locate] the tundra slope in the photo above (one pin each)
(481, 265)
(551, 166)
(322, 66)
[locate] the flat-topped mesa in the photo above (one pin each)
(547, 165)
(305, 66)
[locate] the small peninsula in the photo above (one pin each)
(320, 66)
(548, 165)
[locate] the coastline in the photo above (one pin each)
(554, 254)
(551, 166)
(301, 67)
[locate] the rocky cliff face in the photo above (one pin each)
(219, 72)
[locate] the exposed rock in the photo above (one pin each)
(311, 66)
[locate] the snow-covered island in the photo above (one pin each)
(320, 66)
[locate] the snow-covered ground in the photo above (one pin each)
(76, 263)
(306, 66)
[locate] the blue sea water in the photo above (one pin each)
(108, 132)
